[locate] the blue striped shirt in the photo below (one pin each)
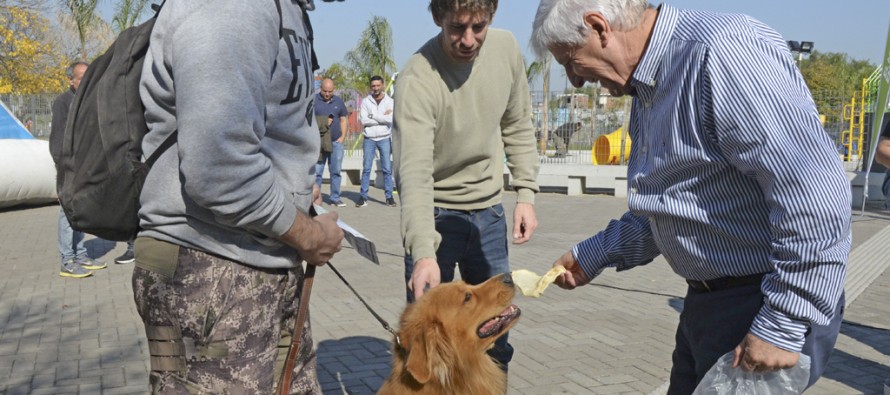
(731, 173)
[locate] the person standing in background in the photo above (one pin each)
(882, 156)
(75, 262)
(376, 117)
(330, 105)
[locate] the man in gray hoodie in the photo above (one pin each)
(225, 210)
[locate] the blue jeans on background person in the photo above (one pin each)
(476, 242)
(71, 246)
(334, 160)
(371, 147)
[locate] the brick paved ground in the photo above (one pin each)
(83, 336)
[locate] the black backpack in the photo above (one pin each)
(101, 172)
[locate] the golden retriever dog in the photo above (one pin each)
(442, 339)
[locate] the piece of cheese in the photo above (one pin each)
(534, 285)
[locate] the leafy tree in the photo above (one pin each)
(83, 13)
(372, 55)
(339, 73)
(834, 78)
(29, 61)
(127, 14)
(97, 39)
(30, 5)
(538, 68)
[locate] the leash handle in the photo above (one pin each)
(286, 380)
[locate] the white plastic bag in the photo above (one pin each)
(723, 379)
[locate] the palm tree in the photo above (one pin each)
(83, 12)
(542, 67)
(372, 55)
(127, 14)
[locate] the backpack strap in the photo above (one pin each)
(161, 148)
(157, 7)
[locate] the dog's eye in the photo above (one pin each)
(467, 297)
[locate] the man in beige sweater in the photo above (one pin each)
(462, 107)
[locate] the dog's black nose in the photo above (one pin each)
(507, 278)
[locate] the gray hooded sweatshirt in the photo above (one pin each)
(240, 96)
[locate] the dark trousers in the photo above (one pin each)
(714, 323)
(476, 242)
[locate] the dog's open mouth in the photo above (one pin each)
(496, 325)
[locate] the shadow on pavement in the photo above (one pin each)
(97, 247)
(873, 373)
(79, 354)
(353, 365)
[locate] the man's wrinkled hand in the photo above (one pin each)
(574, 276)
(756, 355)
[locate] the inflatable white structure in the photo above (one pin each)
(27, 172)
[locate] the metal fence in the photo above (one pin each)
(591, 129)
(579, 129)
(34, 111)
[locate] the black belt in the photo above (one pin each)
(724, 282)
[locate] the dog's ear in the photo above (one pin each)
(418, 362)
(429, 352)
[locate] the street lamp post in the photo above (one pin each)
(800, 47)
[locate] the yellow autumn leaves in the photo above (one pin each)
(29, 59)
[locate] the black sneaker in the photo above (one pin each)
(391, 202)
(361, 202)
(128, 257)
(338, 203)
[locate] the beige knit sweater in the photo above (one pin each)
(455, 127)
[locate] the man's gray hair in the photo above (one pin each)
(561, 22)
(69, 71)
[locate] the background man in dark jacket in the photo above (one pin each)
(75, 262)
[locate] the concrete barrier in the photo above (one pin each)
(577, 179)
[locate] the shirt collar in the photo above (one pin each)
(372, 99)
(665, 24)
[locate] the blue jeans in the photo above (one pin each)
(70, 241)
(384, 147)
(334, 160)
(476, 242)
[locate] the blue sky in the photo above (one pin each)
(856, 27)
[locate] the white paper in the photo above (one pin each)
(362, 245)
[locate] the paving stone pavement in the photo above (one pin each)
(83, 336)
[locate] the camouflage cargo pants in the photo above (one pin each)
(213, 325)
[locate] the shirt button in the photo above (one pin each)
(633, 190)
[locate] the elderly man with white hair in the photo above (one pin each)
(731, 178)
